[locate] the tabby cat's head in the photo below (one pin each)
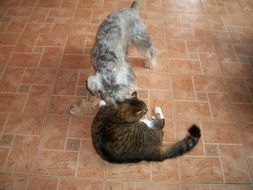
(132, 109)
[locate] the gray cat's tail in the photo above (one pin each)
(179, 148)
(135, 5)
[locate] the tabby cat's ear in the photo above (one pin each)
(134, 94)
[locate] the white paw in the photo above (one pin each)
(158, 112)
(102, 103)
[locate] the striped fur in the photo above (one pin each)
(119, 136)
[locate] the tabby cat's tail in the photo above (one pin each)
(179, 148)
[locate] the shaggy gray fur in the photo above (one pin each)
(114, 79)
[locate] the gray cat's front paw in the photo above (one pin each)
(150, 63)
(74, 110)
(159, 113)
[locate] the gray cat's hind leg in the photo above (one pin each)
(142, 42)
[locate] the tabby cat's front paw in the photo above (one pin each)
(159, 113)
(102, 103)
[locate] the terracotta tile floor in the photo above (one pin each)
(204, 75)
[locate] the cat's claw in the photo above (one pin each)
(102, 103)
(159, 113)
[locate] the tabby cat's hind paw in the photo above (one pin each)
(102, 103)
(159, 113)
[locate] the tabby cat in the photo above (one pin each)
(120, 136)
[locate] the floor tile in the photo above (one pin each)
(112, 185)
(55, 132)
(66, 83)
(221, 106)
(150, 186)
(205, 170)
(153, 80)
(80, 127)
(38, 28)
(73, 144)
(12, 102)
(192, 110)
(166, 170)
(75, 44)
(5, 52)
(8, 39)
(239, 90)
(51, 57)
(39, 76)
(182, 87)
(11, 79)
(246, 130)
(38, 99)
(4, 151)
(231, 186)
(184, 66)
(24, 60)
(236, 70)
(244, 112)
(51, 40)
(24, 124)
(76, 184)
(41, 183)
(26, 42)
(87, 167)
(129, 171)
(231, 157)
(209, 84)
(22, 154)
(177, 49)
(13, 182)
(211, 150)
(76, 62)
(58, 163)
(6, 140)
(220, 132)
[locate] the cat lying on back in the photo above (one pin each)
(120, 136)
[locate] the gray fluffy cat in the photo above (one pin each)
(114, 79)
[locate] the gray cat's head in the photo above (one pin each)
(111, 92)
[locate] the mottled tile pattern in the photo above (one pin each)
(204, 75)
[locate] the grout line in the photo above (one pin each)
(26, 99)
(210, 108)
(22, 78)
(78, 158)
(8, 155)
(38, 144)
(5, 123)
(67, 132)
(244, 151)
(221, 164)
(28, 181)
(194, 89)
(78, 78)
(58, 183)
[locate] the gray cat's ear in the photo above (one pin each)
(94, 84)
(134, 94)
